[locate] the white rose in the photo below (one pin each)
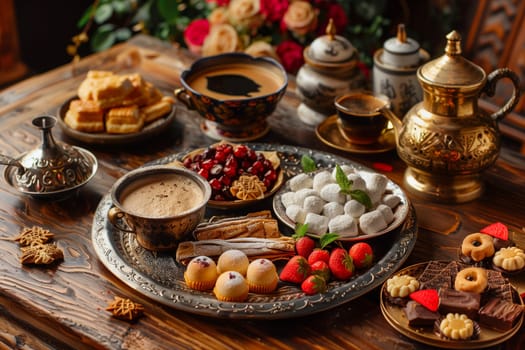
(221, 39)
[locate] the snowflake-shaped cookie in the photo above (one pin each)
(125, 309)
(248, 187)
(41, 254)
(35, 235)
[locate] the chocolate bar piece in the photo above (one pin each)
(419, 316)
(499, 286)
(454, 301)
(439, 275)
(500, 314)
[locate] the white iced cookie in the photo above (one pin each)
(344, 225)
(332, 209)
(288, 198)
(321, 179)
(347, 169)
(509, 259)
(372, 222)
(387, 212)
(457, 326)
(332, 193)
(358, 183)
(300, 181)
(376, 186)
(400, 286)
(302, 194)
(354, 208)
(313, 204)
(296, 213)
(317, 224)
(391, 200)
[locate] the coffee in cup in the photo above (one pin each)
(161, 205)
(360, 119)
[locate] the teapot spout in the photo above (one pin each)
(393, 118)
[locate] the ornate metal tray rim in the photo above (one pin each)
(292, 303)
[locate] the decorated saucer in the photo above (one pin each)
(328, 132)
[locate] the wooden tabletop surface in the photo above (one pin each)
(63, 307)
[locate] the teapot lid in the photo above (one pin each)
(330, 49)
(401, 50)
(452, 69)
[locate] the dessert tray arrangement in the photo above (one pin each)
(468, 303)
(163, 276)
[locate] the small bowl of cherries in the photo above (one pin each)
(238, 174)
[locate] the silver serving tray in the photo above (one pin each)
(159, 277)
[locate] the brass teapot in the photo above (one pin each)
(446, 140)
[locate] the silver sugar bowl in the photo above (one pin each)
(51, 170)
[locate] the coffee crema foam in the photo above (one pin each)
(161, 195)
(236, 81)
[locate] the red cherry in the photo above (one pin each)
(271, 175)
(215, 184)
(240, 151)
(207, 164)
(204, 173)
(225, 180)
(220, 156)
(230, 171)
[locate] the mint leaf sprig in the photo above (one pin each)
(325, 240)
(346, 187)
(308, 164)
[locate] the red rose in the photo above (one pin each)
(337, 13)
(291, 55)
(195, 33)
(274, 10)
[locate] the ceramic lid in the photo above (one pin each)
(452, 69)
(401, 51)
(330, 48)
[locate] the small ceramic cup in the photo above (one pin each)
(161, 205)
(360, 120)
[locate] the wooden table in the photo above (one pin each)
(64, 307)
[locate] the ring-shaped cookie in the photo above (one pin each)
(478, 246)
(471, 279)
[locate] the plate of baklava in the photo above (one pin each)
(112, 108)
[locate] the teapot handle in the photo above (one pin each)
(490, 89)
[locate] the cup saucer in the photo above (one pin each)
(328, 132)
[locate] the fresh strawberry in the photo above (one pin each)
(304, 246)
(313, 284)
(296, 270)
(321, 268)
(497, 230)
(362, 255)
(318, 254)
(340, 263)
(429, 298)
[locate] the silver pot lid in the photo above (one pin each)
(330, 49)
(52, 167)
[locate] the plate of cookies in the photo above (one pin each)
(452, 305)
(112, 108)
